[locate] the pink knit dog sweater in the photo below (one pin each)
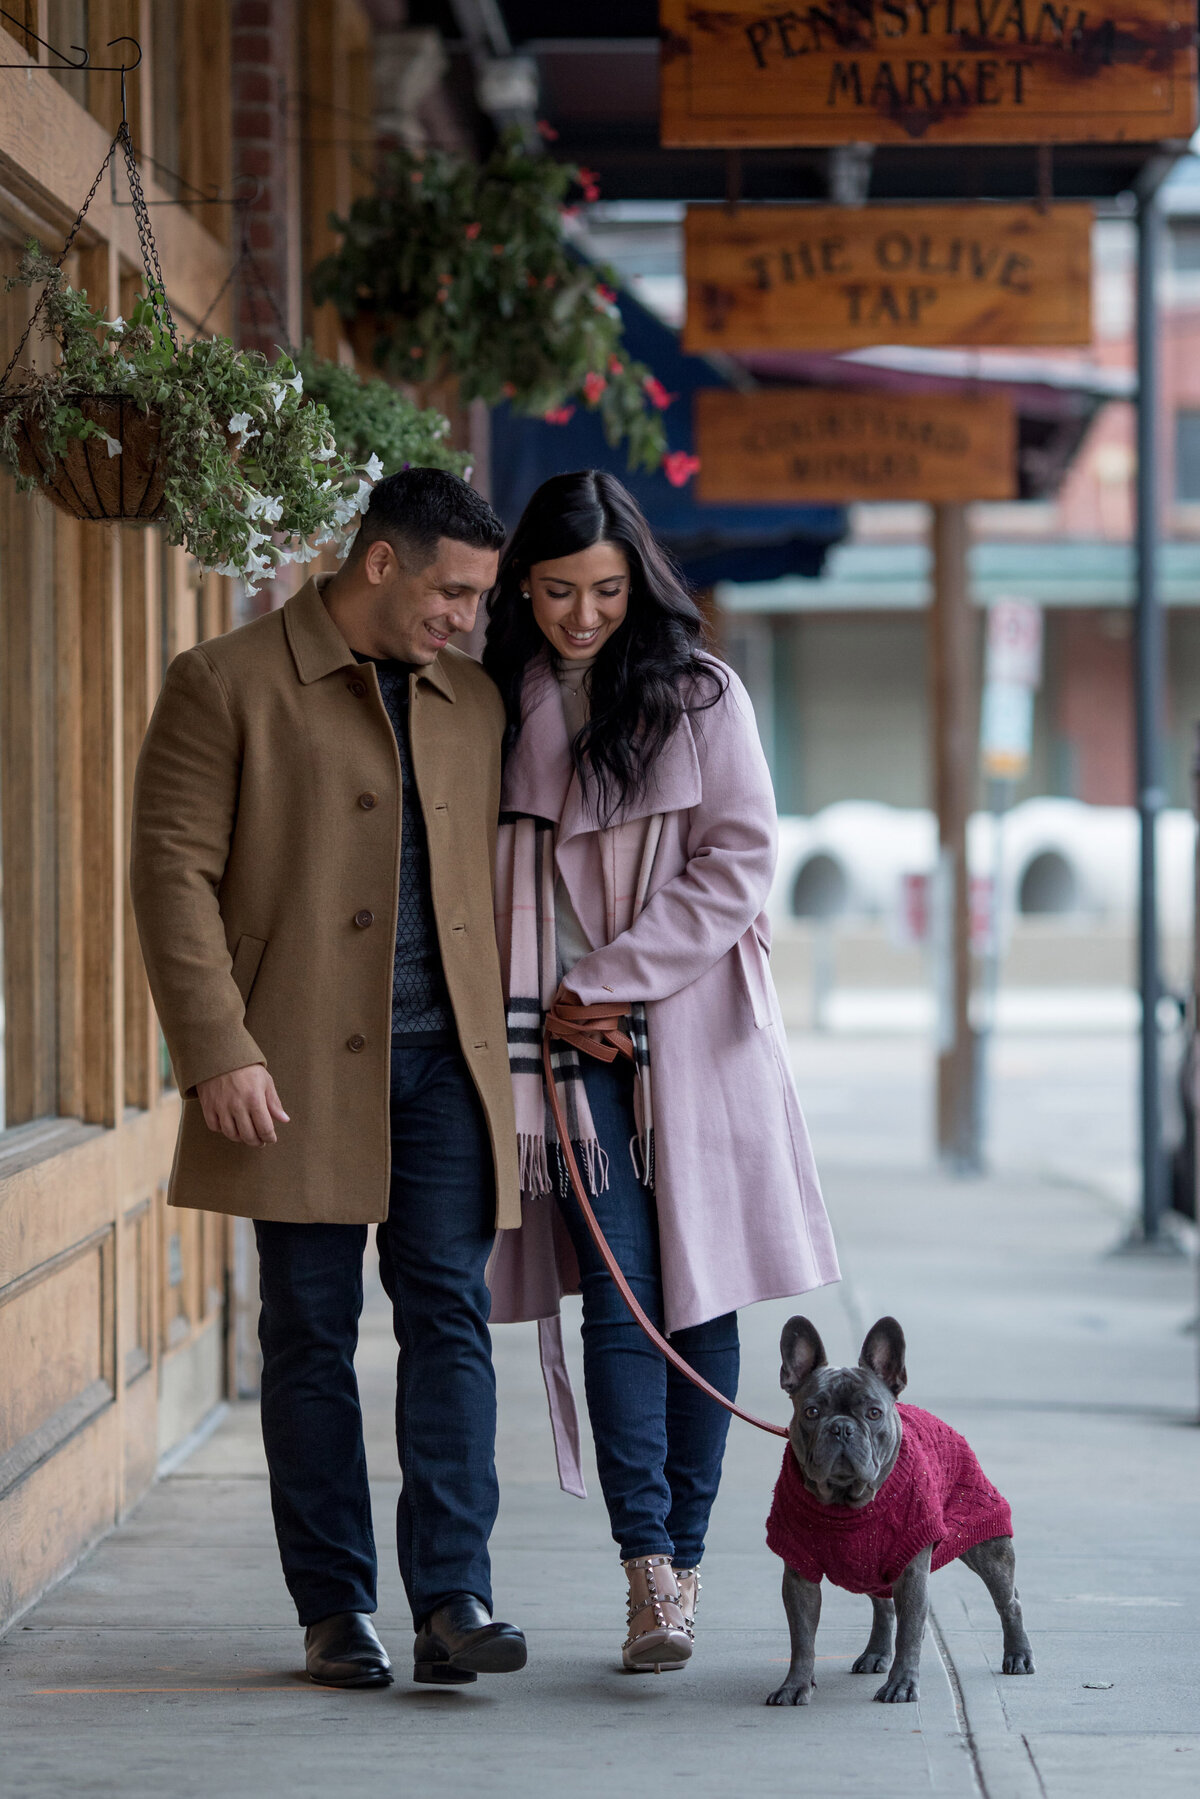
(937, 1493)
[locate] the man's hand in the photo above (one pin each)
(242, 1105)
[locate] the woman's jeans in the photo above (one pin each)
(433, 1249)
(659, 1441)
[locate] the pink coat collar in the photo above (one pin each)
(540, 780)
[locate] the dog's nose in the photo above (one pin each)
(841, 1429)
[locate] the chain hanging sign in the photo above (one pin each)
(788, 446)
(935, 71)
(833, 278)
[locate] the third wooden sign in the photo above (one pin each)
(832, 278)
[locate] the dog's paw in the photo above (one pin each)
(871, 1664)
(1020, 1661)
(790, 1695)
(903, 1689)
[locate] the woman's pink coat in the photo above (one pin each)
(740, 1212)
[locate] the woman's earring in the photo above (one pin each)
(524, 593)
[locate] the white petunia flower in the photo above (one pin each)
(374, 468)
(243, 426)
(111, 444)
(118, 324)
(326, 454)
(278, 389)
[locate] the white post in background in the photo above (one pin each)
(1012, 675)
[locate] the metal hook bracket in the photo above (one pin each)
(93, 68)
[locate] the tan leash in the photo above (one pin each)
(596, 1031)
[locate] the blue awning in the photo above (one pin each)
(711, 543)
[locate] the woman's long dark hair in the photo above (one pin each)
(649, 672)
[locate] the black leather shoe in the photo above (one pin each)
(459, 1641)
(343, 1651)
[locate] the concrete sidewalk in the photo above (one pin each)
(167, 1664)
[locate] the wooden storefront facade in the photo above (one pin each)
(115, 1338)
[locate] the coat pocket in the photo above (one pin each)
(247, 959)
(756, 976)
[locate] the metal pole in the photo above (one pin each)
(1148, 706)
(952, 695)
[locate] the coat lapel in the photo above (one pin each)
(540, 780)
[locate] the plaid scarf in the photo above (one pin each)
(525, 927)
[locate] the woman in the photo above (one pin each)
(637, 847)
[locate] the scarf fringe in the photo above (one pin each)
(533, 1166)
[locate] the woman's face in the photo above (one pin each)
(579, 601)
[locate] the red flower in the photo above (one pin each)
(443, 294)
(615, 366)
(417, 176)
(532, 281)
(550, 281)
(657, 394)
(497, 249)
(559, 415)
(679, 467)
(606, 293)
(589, 181)
(591, 192)
(547, 131)
(593, 386)
(474, 229)
(508, 390)
(416, 350)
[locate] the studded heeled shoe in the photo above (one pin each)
(689, 1597)
(658, 1634)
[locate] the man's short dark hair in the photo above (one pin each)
(416, 507)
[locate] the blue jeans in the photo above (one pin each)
(433, 1249)
(659, 1441)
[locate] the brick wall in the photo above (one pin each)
(266, 111)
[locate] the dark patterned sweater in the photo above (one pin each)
(421, 1011)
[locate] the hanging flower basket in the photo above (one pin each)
(127, 424)
(448, 268)
(117, 475)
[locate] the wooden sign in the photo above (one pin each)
(939, 71)
(787, 446)
(834, 278)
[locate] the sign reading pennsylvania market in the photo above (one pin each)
(790, 445)
(942, 71)
(833, 278)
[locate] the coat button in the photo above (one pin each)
(368, 801)
(357, 688)
(355, 1043)
(364, 918)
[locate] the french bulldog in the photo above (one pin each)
(875, 1495)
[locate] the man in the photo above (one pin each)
(314, 826)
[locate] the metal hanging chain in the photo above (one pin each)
(247, 261)
(153, 268)
(145, 231)
(91, 195)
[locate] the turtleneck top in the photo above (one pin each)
(570, 938)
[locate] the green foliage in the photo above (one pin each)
(254, 475)
(373, 417)
(465, 269)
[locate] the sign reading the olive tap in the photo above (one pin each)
(833, 278)
(938, 71)
(791, 445)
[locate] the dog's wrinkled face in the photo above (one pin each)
(845, 1430)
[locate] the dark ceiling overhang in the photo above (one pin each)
(597, 66)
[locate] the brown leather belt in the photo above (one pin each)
(596, 1031)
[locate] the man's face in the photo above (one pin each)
(418, 611)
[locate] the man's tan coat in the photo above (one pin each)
(265, 871)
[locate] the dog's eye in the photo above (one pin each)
(875, 1411)
(812, 1411)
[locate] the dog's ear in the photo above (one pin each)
(801, 1350)
(883, 1354)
